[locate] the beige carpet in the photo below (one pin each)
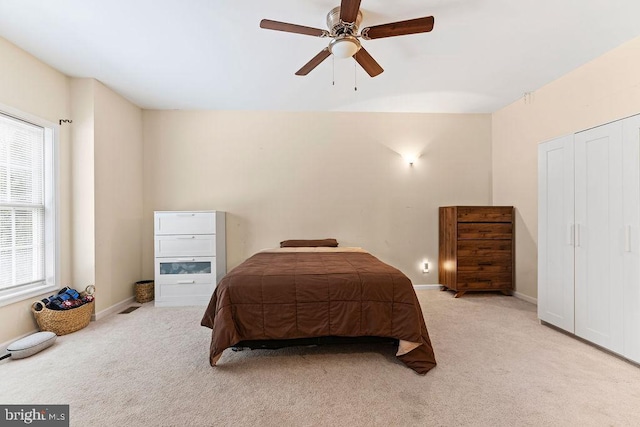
(497, 367)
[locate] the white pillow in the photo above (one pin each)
(31, 344)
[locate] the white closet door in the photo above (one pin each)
(556, 233)
(599, 234)
(631, 189)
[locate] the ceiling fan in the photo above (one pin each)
(343, 22)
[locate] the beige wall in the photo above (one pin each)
(603, 90)
(32, 87)
(107, 188)
(314, 175)
(83, 187)
(118, 197)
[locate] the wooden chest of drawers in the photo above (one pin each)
(477, 245)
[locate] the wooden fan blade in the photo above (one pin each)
(367, 62)
(349, 10)
(291, 28)
(315, 61)
(401, 28)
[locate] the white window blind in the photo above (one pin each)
(22, 203)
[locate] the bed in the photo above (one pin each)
(303, 292)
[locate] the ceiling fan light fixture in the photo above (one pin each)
(344, 47)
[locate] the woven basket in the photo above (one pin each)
(62, 322)
(144, 291)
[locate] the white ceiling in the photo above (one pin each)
(211, 54)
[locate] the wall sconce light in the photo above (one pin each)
(425, 266)
(409, 158)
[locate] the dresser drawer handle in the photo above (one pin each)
(186, 282)
(186, 238)
(186, 214)
(185, 259)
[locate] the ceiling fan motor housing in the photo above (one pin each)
(337, 27)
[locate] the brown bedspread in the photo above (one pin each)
(286, 295)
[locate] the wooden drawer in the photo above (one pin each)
(483, 248)
(483, 280)
(185, 245)
(473, 230)
(185, 223)
(485, 214)
(490, 264)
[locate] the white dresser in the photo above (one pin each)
(190, 256)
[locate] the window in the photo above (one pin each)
(27, 207)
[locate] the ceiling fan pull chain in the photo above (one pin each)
(355, 76)
(333, 69)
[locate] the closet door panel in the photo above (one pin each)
(631, 282)
(555, 233)
(599, 236)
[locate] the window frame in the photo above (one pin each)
(51, 174)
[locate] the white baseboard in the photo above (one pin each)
(113, 309)
(526, 298)
(422, 287)
(515, 294)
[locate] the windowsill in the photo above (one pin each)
(7, 298)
